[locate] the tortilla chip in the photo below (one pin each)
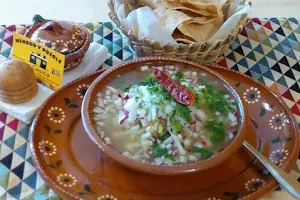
(170, 19)
(202, 7)
(179, 37)
(200, 32)
(199, 19)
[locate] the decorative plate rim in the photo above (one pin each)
(257, 194)
(35, 160)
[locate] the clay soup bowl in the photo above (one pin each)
(128, 72)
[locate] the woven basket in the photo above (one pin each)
(203, 52)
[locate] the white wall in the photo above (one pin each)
(21, 11)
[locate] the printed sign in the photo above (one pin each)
(47, 64)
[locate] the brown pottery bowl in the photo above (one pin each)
(130, 68)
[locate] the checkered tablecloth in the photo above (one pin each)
(267, 49)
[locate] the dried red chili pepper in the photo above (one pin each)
(179, 92)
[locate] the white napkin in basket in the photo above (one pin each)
(96, 55)
(144, 23)
(234, 15)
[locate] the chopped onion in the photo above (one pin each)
(230, 136)
(143, 122)
(227, 96)
(141, 112)
(198, 144)
(123, 115)
(177, 144)
(232, 117)
(146, 135)
(160, 113)
(192, 80)
(168, 146)
(144, 68)
(168, 122)
(158, 161)
(201, 87)
(179, 136)
(168, 141)
(187, 73)
(180, 119)
(149, 116)
(234, 124)
(160, 68)
(132, 109)
(192, 158)
(126, 153)
(183, 159)
(150, 129)
(168, 109)
(153, 112)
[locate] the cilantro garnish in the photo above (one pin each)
(179, 76)
(217, 130)
(183, 111)
(204, 153)
(158, 151)
(165, 136)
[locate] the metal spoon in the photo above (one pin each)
(283, 178)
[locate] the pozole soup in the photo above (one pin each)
(166, 115)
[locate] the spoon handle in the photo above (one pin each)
(283, 178)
